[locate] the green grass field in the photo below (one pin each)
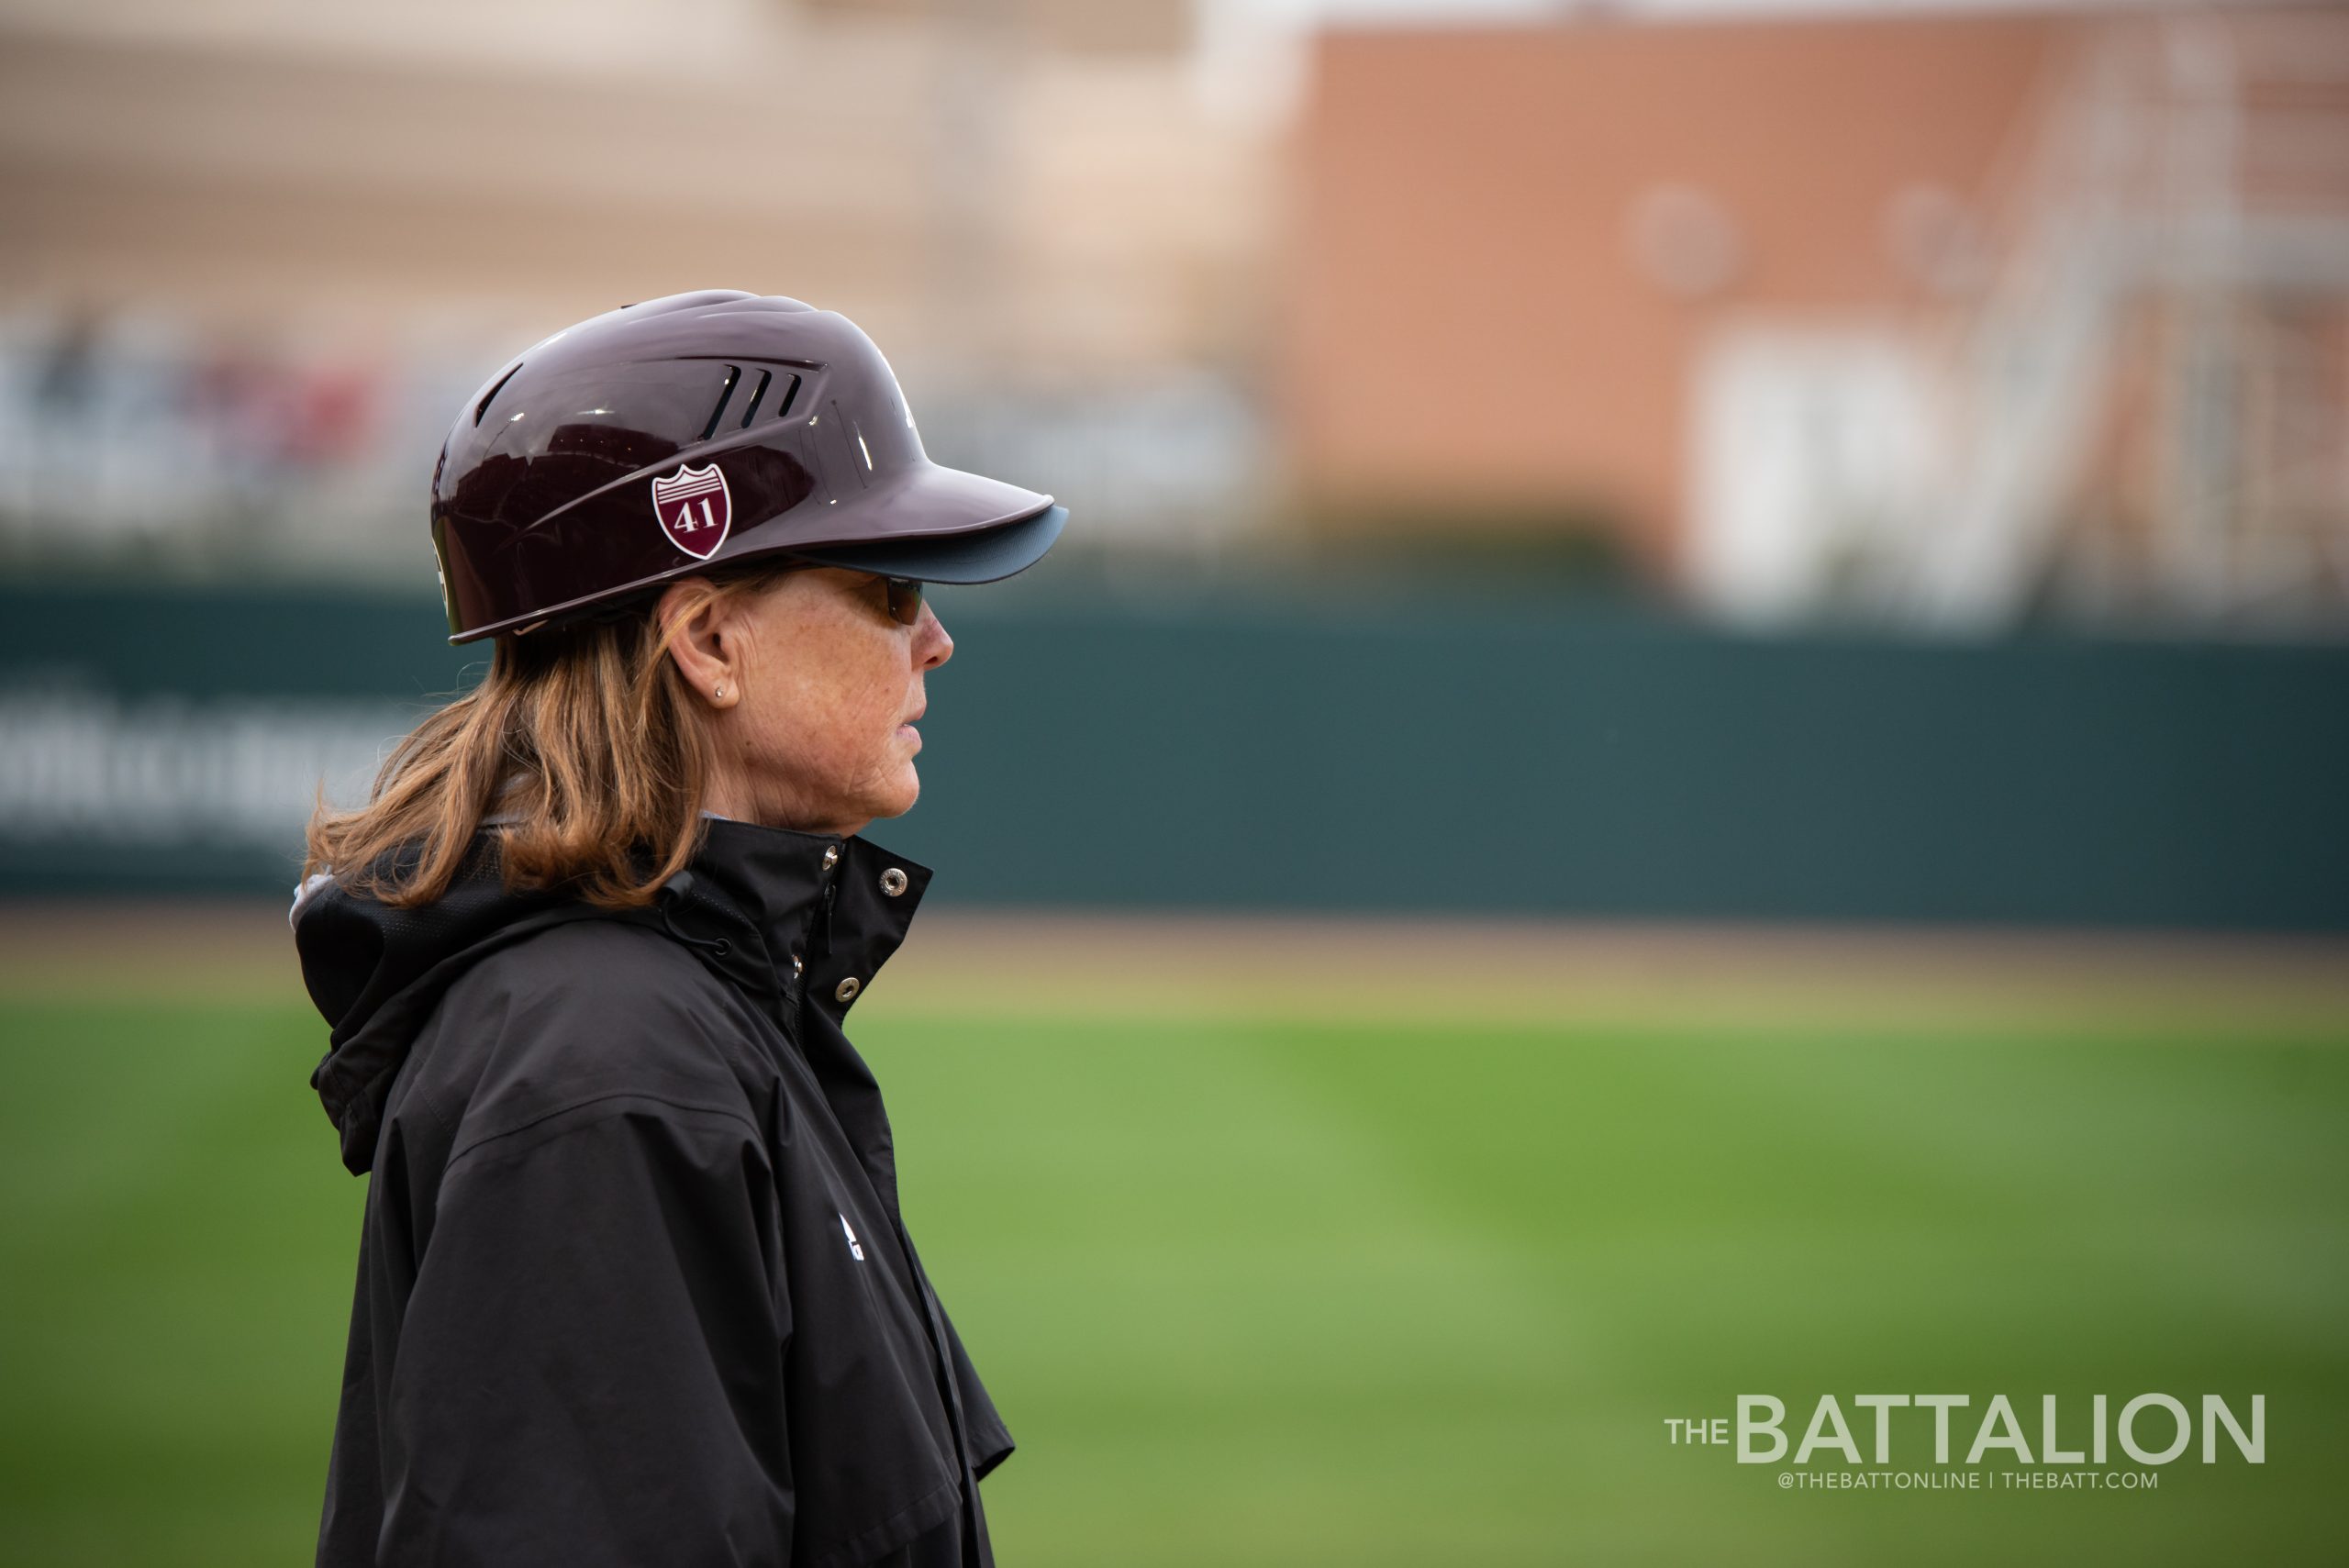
(1260, 1289)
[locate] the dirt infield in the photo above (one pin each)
(1083, 962)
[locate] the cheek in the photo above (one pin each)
(838, 710)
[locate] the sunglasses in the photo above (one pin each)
(905, 600)
(905, 594)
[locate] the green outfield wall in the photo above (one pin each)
(1414, 754)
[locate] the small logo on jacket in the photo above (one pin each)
(853, 1250)
(694, 508)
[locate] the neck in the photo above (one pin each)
(732, 797)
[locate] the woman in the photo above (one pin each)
(634, 1287)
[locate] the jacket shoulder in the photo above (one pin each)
(588, 962)
(592, 1012)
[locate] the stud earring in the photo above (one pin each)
(720, 694)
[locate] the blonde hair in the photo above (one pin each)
(584, 743)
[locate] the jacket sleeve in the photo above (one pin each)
(590, 1369)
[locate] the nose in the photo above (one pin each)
(932, 647)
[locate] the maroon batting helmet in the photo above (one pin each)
(695, 432)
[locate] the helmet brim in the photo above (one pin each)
(974, 555)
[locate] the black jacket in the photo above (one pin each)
(633, 1287)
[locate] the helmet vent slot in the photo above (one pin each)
(756, 393)
(789, 395)
(725, 396)
(490, 396)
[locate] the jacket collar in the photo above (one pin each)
(796, 914)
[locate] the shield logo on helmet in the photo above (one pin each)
(694, 508)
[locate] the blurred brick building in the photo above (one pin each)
(1726, 292)
(1936, 315)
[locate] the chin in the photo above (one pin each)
(900, 799)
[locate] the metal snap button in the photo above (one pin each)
(846, 989)
(832, 856)
(893, 882)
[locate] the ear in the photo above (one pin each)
(703, 639)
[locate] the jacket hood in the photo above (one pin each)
(765, 906)
(375, 974)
